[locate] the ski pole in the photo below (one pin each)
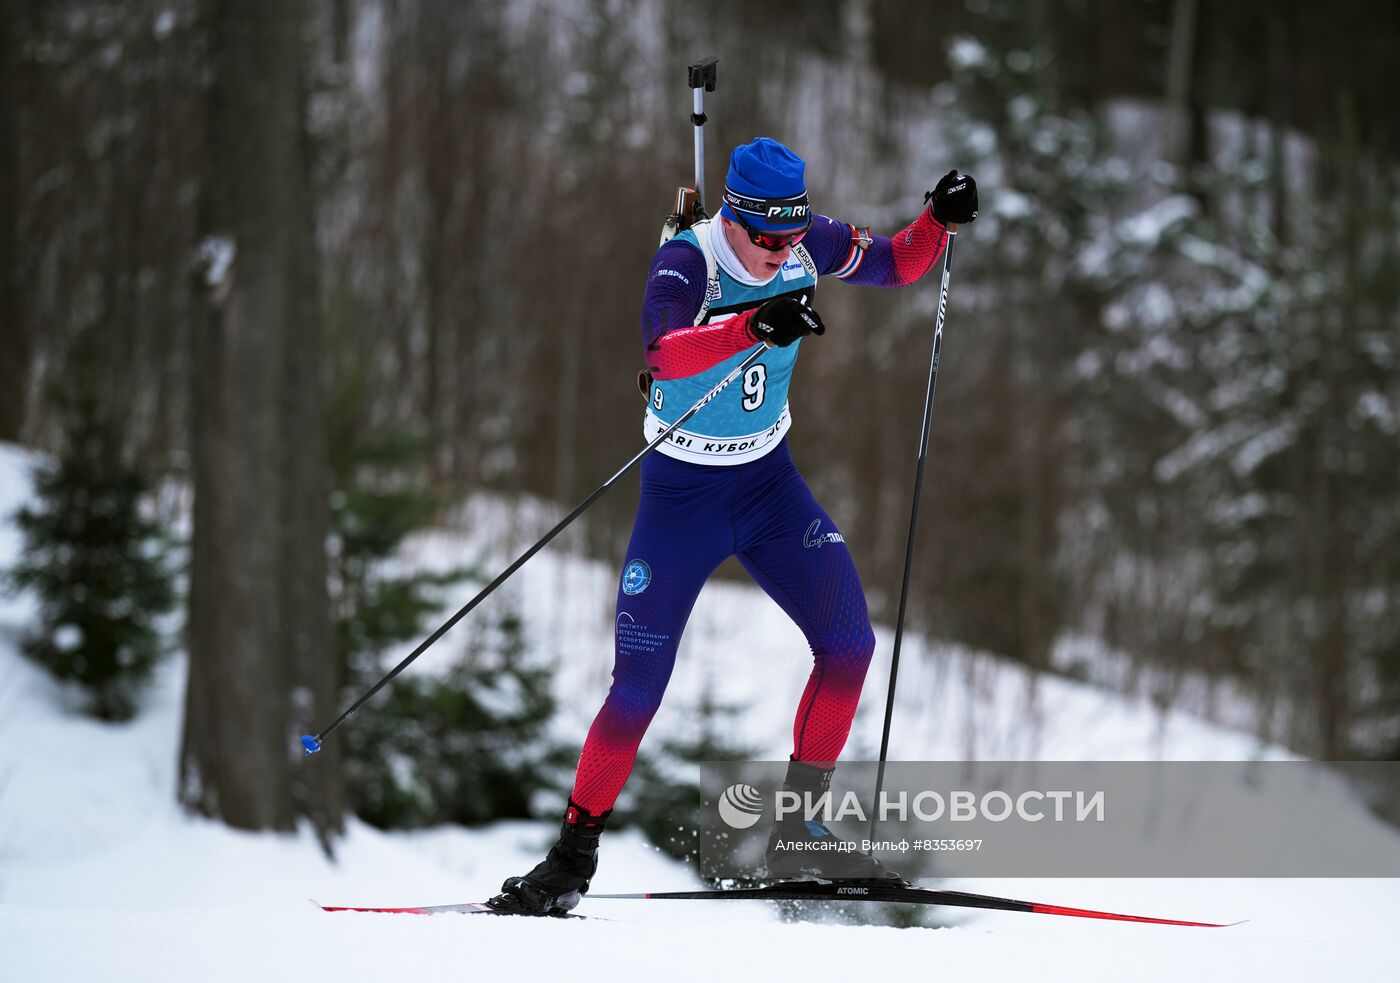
(913, 522)
(312, 742)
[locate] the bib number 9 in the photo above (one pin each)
(755, 379)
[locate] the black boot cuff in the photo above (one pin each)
(579, 820)
(803, 777)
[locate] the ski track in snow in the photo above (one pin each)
(103, 878)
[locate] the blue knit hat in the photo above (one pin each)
(766, 187)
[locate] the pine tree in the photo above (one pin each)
(96, 564)
(467, 746)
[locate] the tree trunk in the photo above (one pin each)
(14, 337)
(1180, 58)
(1281, 62)
(260, 640)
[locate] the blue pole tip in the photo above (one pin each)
(311, 744)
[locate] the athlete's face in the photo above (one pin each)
(761, 263)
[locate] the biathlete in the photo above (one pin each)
(725, 485)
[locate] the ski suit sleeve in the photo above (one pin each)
(889, 261)
(675, 346)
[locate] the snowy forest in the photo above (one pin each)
(294, 280)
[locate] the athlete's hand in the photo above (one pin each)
(954, 200)
(783, 320)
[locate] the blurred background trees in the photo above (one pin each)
(1168, 411)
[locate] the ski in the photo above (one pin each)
(466, 908)
(898, 894)
(812, 891)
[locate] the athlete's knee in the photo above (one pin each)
(864, 648)
(847, 649)
(639, 683)
(633, 700)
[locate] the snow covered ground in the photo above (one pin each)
(103, 878)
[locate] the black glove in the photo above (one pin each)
(954, 200)
(783, 320)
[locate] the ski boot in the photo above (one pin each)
(560, 881)
(795, 847)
